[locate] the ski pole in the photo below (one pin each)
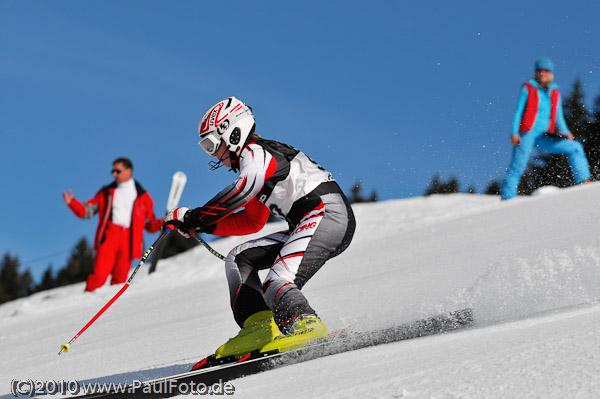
(67, 346)
(210, 249)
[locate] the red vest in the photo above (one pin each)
(531, 109)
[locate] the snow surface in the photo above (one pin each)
(530, 269)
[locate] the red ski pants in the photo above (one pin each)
(113, 256)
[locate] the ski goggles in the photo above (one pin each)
(210, 143)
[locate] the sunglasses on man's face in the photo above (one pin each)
(117, 171)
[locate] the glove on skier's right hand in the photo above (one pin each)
(176, 218)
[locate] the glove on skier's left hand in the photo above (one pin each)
(176, 218)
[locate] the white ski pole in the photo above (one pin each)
(177, 186)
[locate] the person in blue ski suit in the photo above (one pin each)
(539, 123)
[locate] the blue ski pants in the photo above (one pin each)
(555, 145)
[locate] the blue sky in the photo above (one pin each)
(389, 93)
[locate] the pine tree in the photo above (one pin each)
(48, 280)
(13, 284)
(433, 187)
(555, 172)
(576, 114)
(356, 193)
(3, 294)
(493, 188)
(9, 277)
(26, 287)
(592, 142)
(596, 115)
(436, 186)
(528, 182)
(79, 265)
(373, 197)
(357, 196)
(452, 186)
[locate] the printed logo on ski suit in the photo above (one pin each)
(306, 226)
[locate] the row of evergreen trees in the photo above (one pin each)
(548, 169)
(16, 284)
(357, 197)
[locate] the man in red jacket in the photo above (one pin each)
(125, 209)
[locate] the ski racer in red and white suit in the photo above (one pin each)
(277, 179)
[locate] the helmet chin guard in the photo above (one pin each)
(229, 120)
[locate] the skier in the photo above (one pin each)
(279, 179)
(539, 123)
(125, 209)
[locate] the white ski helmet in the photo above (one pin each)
(230, 120)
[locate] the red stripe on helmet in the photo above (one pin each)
(206, 124)
(217, 120)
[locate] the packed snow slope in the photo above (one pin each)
(530, 269)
